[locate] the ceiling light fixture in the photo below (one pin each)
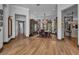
(37, 4)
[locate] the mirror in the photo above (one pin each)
(9, 26)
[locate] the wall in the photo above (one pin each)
(1, 6)
(20, 17)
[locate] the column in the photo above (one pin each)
(59, 25)
(5, 26)
(27, 24)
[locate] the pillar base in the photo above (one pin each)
(60, 39)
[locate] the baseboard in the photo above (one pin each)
(60, 39)
(28, 37)
(9, 41)
(1, 49)
(77, 45)
(74, 37)
(52, 33)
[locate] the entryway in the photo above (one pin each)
(70, 23)
(20, 25)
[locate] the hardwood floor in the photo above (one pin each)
(40, 46)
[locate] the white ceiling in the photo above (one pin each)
(70, 10)
(41, 7)
(37, 12)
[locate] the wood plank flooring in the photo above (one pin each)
(40, 46)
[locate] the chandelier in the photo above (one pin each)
(37, 4)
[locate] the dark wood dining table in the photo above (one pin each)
(44, 33)
(47, 34)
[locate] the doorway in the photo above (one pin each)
(70, 24)
(20, 25)
(20, 30)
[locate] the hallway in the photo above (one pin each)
(40, 46)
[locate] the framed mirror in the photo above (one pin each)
(9, 26)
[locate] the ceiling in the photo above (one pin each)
(41, 7)
(69, 11)
(37, 12)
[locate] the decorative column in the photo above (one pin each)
(5, 22)
(27, 24)
(59, 23)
